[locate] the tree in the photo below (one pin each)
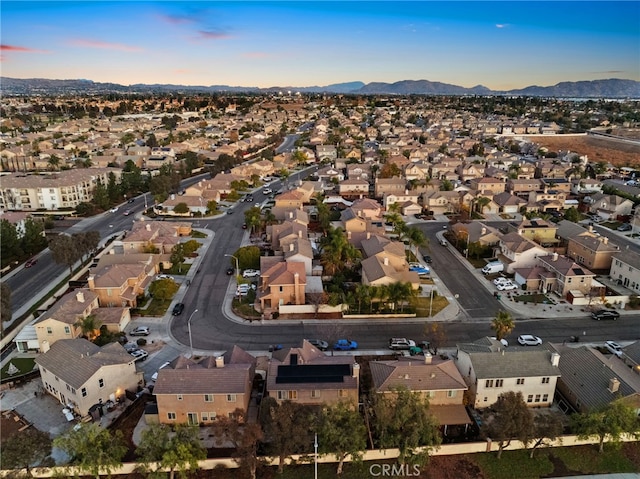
(482, 203)
(572, 214)
(113, 188)
(163, 289)
(100, 196)
(177, 450)
(502, 324)
(338, 253)
(610, 421)
(403, 420)
(190, 247)
(25, 448)
(342, 432)
(64, 250)
(88, 326)
(245, 437)
(33, 240)
(252, 218)
(512, 420)
(437, 336)
(287, 428)
(5, 303)
(93, 450)
(212, 207)
(9, 242)
(177, 255)
(181, 208)
(546, 428)
(248, 257)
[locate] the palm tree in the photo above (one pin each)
(416, 238)
(502, 324)
(482, 202)
(88, 325)
(337, 253)
(362, 293)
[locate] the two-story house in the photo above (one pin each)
(282, 283)
(610, 206)
(538, 230)
(306, 375)
(159, 235)
(625, 269)
(389, 186)
(518, 252)
(592, 250)
(120, 284)
(489, 369)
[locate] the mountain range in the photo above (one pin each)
(611, 88)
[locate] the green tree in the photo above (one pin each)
(482, 202)
(33, 240)
(163, 289)
(572, 214)
(446, 185)
(9, 242)
(212, 207)
(342, 432)
(252, 218)
(93, 449)
(5, 303)
(177, 255)
(100, 196)
(113, 188)
(177, 450)
(89, 325)
(287, 428)
(546, 428)
(24, 449)
(64, 250)
(609, 422)
(244, 436)
(181, 208)
(403, 420)
(338, 253)
(248, 257)
(190, 247)
(502, 324)
(512, 420)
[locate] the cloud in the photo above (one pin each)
(88, 43)
(611, 71)
(16, 48)
(177, 19)
(256, 55)
(502, 25)
(212, 35)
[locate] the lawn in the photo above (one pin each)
(198, 234)
(536, 298)
(513, 464)
(178, 269)
(24, 366)
(421, 305)
(157, 307)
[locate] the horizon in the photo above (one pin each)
(499, 45)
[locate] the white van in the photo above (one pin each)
(492, 267)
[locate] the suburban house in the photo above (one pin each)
(283, 283)
(306, 375)
(353, 188)
(476, 232)
(159, 235)
(488, 185)
(518, 252)
(610, 207)
(547, 200)
(389, 199)
(522, 187)
(590, 380)
(59, 322)
(592, 250)
(84, 376)
(120, 284)
(490, 369)
(436, 379)
(540, 231)
(285, 232)
(368, 208)
(508, 203)
(625, 269)
(389, 186)
(299, 250)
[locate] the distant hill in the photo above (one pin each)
(612, 88)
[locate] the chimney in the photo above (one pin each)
(555, 359)
(605, 240)
(406, 376)
(148, 227)
(291, 247)
(91, 282)
(554, 257)
(348, 235)
(590, 228)
(614, 385)
(368, 235)
(386, 261)
(428, 358)
(219, 361)
(299, 233)
(483, 231)
(80, 297)
(356, 370)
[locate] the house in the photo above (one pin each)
(299, 250)
(610, 206)
(84, 376)
(522, 187)
(120, 284)
(436, 379)
(410, 196)
(368, 208)
(326, 153)
(159, 235)
(389, 186)
(306, 375)
(488, 185)
(476, 232)
(625, 269)
(378, 271)
(547, 200)
(541, 231)
(441, 202)
(590, 380)
(197, 391)
(283, 283)
(592, 250)
(508, 203)
(353, 188)
(518, 252)
(489, 369)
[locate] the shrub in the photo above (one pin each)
(141, 342)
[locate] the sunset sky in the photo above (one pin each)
(501, 45)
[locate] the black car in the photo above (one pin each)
(605, 314)
(427, 258)
(132, 200)
(178, 309)
(230, 271)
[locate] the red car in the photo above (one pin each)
(30, 263)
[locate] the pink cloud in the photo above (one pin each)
(88, 43)
(176, 19)
(15, 48)
(213, 35)
(256, 55)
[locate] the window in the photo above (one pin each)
(545, 398)
(342, 393)
(537, 398)
(204, 416)
(281, 289)
(231, 398)
(488, 383)
(101, 382)
(287, 394)
(171, 416)
(485, 399)
(530, 398)
(315, 394)
(49, 330)
(545, 380)
(179, 397)
(208, 398)
(520, 381)
(451, 393)
(499, 383)
(212, 415)
(67, 330)
(431, 394)
(83, 391)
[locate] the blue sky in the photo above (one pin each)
(501, 45)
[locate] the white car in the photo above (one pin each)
(529, 340)
(114, 209)
(155, 375)
(165, 276)
(244, 288)
(501, 280)
(139, 355)
(614, 348)
(267, 191)
(250, 273)
(507, 286)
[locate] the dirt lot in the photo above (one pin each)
(597, 149)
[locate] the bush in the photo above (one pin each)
(141, 342)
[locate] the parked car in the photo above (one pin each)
(443, 242)
(178, 309)
(30, 262)
(625, 227)
(501, 280)
(140, 331)
(250, 273)
(230, 271)
(139, 355)
(614, 348)
(419, 268)
(529, 340)
(132, 200)
(507, 286)
(130, 347)
(319, 343)
(401, 343)
(165, 276)
(267, 191)
(345, 345)
(605, 314)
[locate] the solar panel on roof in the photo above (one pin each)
(312, 373)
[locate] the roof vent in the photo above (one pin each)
(614, 385)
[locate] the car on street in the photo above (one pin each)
(244, 288)
(267, 191)
(529, 340)
(127, 212)
(132, 200)
(605, 314)
(30, 262)
(427, 258)
(139, 355)
(614, 348)
(230, 271)
(319, 343)
(244, 226)
(625, 227)
(140, 331)
(345, 345)
(443, 242)
(178, 309)
(250, 273)
(114, 209)
(401, 343)
(229, 211)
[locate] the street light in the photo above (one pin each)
(237, 269)
(189, 328)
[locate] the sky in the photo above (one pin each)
(502, 45)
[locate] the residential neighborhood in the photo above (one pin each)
(190, 271)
